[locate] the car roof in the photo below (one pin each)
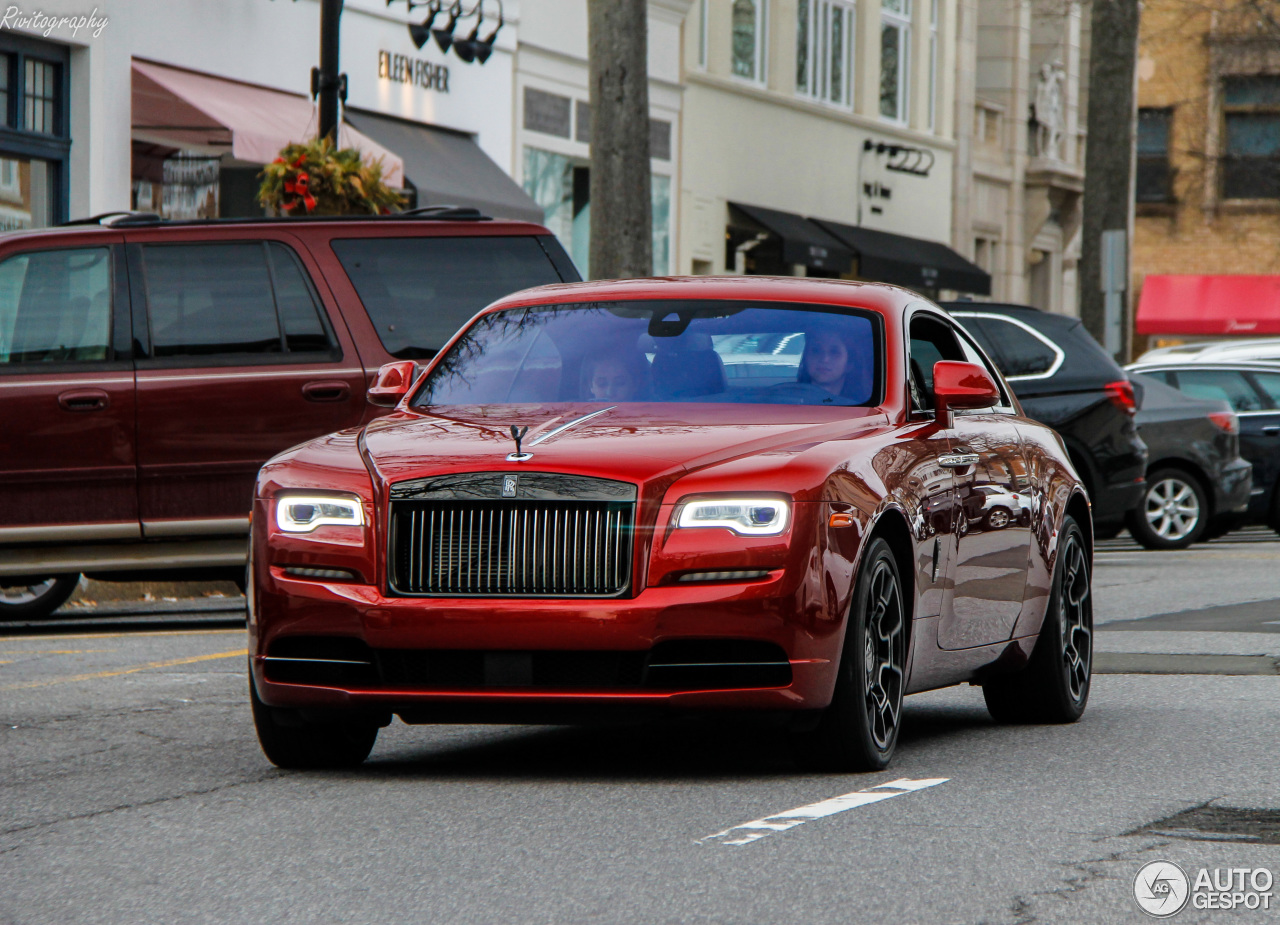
(350, 224)
(878, 296)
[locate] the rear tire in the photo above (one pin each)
(859, 730)
(36, 601)
(1173, 512)
(291, 742)
(1054, 686)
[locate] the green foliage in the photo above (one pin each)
(315, 178)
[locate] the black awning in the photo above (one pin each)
(448, 168)
(803, 242)
(914, 262)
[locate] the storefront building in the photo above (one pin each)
(819, 140)
(174, 106)
(553, 121)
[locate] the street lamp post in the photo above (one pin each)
(327, 83)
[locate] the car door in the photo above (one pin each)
(67, 450)
(992, 533)
(1259, 422)
(1263, 441)
(240, 358)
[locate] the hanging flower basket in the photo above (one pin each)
(315, 178)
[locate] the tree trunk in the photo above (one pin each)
(621, 226)
(1109, 153)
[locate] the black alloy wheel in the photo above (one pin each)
(859, 730)
(290, 741)
(1054, 685)
(36, 600)
(1173, 513)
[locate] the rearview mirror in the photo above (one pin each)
(962, 385)
(393, 383)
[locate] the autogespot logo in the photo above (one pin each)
(1161, 889)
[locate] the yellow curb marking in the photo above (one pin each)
(124, 635)
(169, 663)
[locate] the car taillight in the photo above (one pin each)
(1121, 395)
(1226, 420)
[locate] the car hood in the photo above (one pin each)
(634, 442)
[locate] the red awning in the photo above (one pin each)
(1209, 305)
(186, 109)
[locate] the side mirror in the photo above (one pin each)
(962, 385)
(393, 383)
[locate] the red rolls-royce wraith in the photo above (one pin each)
(675, 494)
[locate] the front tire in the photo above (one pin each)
(859, 730)
(291, 742)
(36, 601)
(1173, 513)
(1054, 686)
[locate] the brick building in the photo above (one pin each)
(1207, 223)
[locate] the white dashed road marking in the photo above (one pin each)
(779, 822)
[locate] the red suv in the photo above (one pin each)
(149, 368)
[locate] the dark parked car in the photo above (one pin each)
(1253, 392)
(149, 368)
(1063, 378)
(1197, 484)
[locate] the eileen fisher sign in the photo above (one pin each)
(403, 69)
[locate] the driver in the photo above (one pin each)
(835, 361)
(614, 377)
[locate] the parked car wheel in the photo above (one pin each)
(859, 730)
(1174, 511)
(36, 600)
(998, 518)
(290, 741)
(1054, 686)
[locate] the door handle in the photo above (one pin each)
(84, 400)
(958, 460)
(326, 390)
(1271, 429)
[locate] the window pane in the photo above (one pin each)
(5, 62)
(661, 208)
(26, 194)
(744, 38)
(1219, 385)
(210, 299)
(1253, 134)
(40, 95)
(836, 94)
(1153, 132)
(55, 306)
(1270, 383)
(419, 291)
(890, 43)
(802, 46)
(299, 314)
(1258, 90)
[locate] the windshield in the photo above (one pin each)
(664, 351)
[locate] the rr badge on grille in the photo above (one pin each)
(509, 485)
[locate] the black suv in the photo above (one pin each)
(1063, 378)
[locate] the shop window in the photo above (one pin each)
(55, 306)
(749, 39)
(1154, 178)
(33, 155)
(824, 50)
(1251, 155)
(895, 58)
(561, 185)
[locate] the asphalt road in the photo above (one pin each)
(133, 791)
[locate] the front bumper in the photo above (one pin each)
(499, 638)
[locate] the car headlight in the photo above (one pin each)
(299, 513)
(744, 516)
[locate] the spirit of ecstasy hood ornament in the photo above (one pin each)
(517, 434)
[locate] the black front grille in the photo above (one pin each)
(554, 548)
